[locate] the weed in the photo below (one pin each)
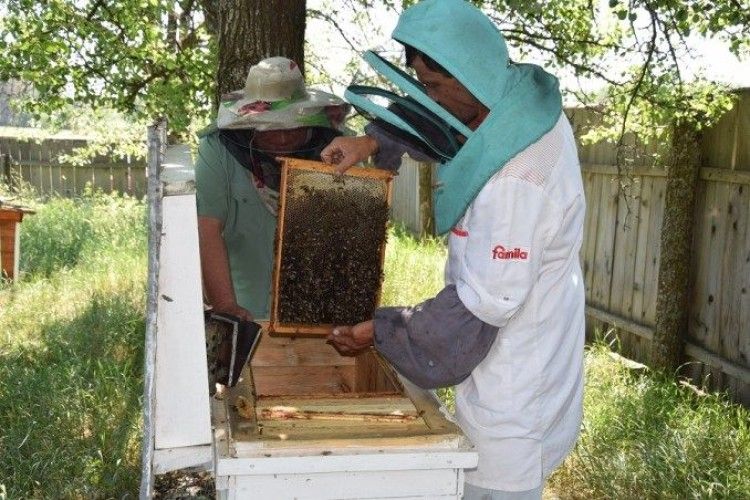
(644, 436)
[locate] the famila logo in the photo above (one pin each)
(499, 252)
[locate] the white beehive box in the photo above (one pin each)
(303, 422)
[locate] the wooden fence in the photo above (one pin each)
(621, 254)
(35, 162)
(622, 249)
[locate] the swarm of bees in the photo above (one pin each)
(331, 267)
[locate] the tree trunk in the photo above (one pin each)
(251, 30)
(676, 242)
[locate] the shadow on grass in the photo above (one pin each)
(70, 406)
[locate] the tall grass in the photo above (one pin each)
(71, 349)
(413, 268)
(644, 436)
(71, 337)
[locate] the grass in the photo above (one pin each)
(645, 436)
(71, 349)
(413, 268)
(71, 353)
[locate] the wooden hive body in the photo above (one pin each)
(10, 220)
(305, 422)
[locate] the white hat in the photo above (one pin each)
(275, 98)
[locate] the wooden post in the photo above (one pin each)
(6, 163)
(676, 240)
(156, 145)
(426, 213)
(176, 415)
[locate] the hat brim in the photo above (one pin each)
(245, 113)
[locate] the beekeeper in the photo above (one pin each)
(508, 328)
(237, 179)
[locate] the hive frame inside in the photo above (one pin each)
(277, 327)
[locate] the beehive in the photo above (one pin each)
(10, 219)
(305, 422)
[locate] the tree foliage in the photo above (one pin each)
(160, 57)
(632, 58)
(640, 50)
(141, 57)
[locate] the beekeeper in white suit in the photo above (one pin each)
(508, 328)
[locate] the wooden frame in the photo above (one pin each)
(370, 442)
(317, 330)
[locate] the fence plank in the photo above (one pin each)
(730, 302)
(705, 197)
(631, 246)
(744, 323)
(642, 331)
(639, 274)
(593, 189)
(724, 175)
(639, 171)
(605, 236)
(736, 229)
(712, 305)
(740, 372)
(653, 251)
(704, 282)
(718, 141)
(618, 257)
(621, 295)
(49, 178)
(743, 133)
(605, 243)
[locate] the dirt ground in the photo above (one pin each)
(184, 484)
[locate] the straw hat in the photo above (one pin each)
(275, 97)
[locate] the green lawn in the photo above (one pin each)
(71, 353)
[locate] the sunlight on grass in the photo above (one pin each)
(413, 268)
(71, 352)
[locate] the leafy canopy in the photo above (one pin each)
(148, 58)
(144, 58)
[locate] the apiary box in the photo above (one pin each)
(10, 241)
(305, 422)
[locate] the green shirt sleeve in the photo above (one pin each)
(212, 178)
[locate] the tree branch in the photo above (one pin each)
(326, 17)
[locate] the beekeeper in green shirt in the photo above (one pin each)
(237, 179)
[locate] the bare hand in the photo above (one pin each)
(346, 151)
(352, 340)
